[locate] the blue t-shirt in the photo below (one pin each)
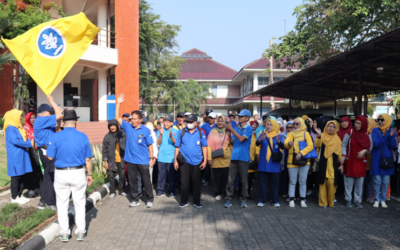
(137, 143)
(190, 146)
(166, 152)
(241, 150)
(44, 129)
(18, 161)
(69, 148)
(263, 164)
(206, 127)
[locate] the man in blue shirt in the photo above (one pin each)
(71, 151)
(44, 129)
(179, 123)
(207, 127)
(193, 147)
(138, 153)
(166, 138)
(240, 159)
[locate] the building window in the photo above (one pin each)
(214, 90)
(351, 111)
(265, 110)
(263, 81)
(277, 79)
(341, 111)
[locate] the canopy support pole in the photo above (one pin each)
(334, 106)
(261, 109)
(360, 87)
(290, 103)
(365, 105)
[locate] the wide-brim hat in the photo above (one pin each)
(70, 115)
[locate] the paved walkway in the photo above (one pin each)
(113, 225)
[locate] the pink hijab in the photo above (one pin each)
(217, 138)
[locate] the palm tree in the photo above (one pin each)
(6, 57)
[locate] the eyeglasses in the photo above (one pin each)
(381, 120)
(289, 127)
(296, 124)
(331, 126)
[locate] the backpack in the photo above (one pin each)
(180, 158)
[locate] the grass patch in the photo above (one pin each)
(97, 181)
(4, 178)
(8, 211)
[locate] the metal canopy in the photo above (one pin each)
(341, 76)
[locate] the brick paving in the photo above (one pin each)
(113, 225)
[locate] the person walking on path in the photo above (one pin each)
(138, 153)
(71, 151)
(268, 143)
(18, 162)
(191, 143)
(218, 139)
(44, 129)
(329, 148)
(355, 145)
(166, 138)
(113, 156)
(298, 134)
(240, 159)
(384, 140)
(33, 180)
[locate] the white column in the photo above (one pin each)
(255, 82)
(255, 111)
(102, 22)
(102, 94)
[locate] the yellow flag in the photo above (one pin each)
(48, 51)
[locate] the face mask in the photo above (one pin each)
(190, 126)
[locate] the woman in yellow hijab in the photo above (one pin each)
(269, 142)
(298, 134)
(329, 147)
(18, 161)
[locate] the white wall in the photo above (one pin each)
(58, 95)
(221, 111)
(222, 90)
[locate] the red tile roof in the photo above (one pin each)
(206, 69)
(194, 52)
(262, 64)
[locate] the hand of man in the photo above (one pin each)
(210, 162)
(89, 180)
(152, 162)
(342, 159)
(298, 156)
(290, 144)
(50, 99)
(106, 165)
(176, 164)
(203, 165)
(228, 126)
(161, 129)
(171, 135)
(120, 98)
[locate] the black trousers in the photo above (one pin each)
(47, 193)
(111, 176)
(220, 180)
(33, 180)
(190, 172)
(284, 182)
(17, 186)
(133, 170)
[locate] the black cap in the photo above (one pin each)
(231, 115)
(181, 114)
(70, 114)
(191, 118)
(169, 118)
(44, 107)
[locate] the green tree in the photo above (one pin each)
(370, 111)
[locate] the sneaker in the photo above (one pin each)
(277, 205)
(112, 195)
(149, 204)
(123, 194)
(228, 204)
(24, 199)
(309, 192)
(64, 237)
(334, 200)
(182, 205)
(243, 204)
(383, 204)
(31, 194)
(376, 204)
(41, 205)
(52, 207)
(134, 203)
(160, 195)
(291, 203)
(348, 204)
(288, 199)
(260, 204)
(172, 194)
(357, 204)
(370, 200)
(303, 203)
(206, 183)
(218, 197)
(80, 236)
(198, 205)
(17, 201)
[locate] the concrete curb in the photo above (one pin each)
(49, 234)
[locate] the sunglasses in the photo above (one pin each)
(381, 120)
(289, 127)
(296, 124)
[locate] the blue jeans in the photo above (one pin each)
(266, 180)
(380, 183)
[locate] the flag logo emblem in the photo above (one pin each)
(51, 43)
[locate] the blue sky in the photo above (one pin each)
(233, 32)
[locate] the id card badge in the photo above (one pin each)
(139, 141)
(198, 142)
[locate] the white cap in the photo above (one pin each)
(187, 113)
(198, 119)
(213, 115)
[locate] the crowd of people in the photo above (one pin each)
(287, 159)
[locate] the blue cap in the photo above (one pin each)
(44, 107)
(144, 121)
(244, 112)
(126, 114)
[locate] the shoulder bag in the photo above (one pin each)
(303, 145)
(301, 162)
(276, 157)
(386, 162)
(315, 166)
(219, 152)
